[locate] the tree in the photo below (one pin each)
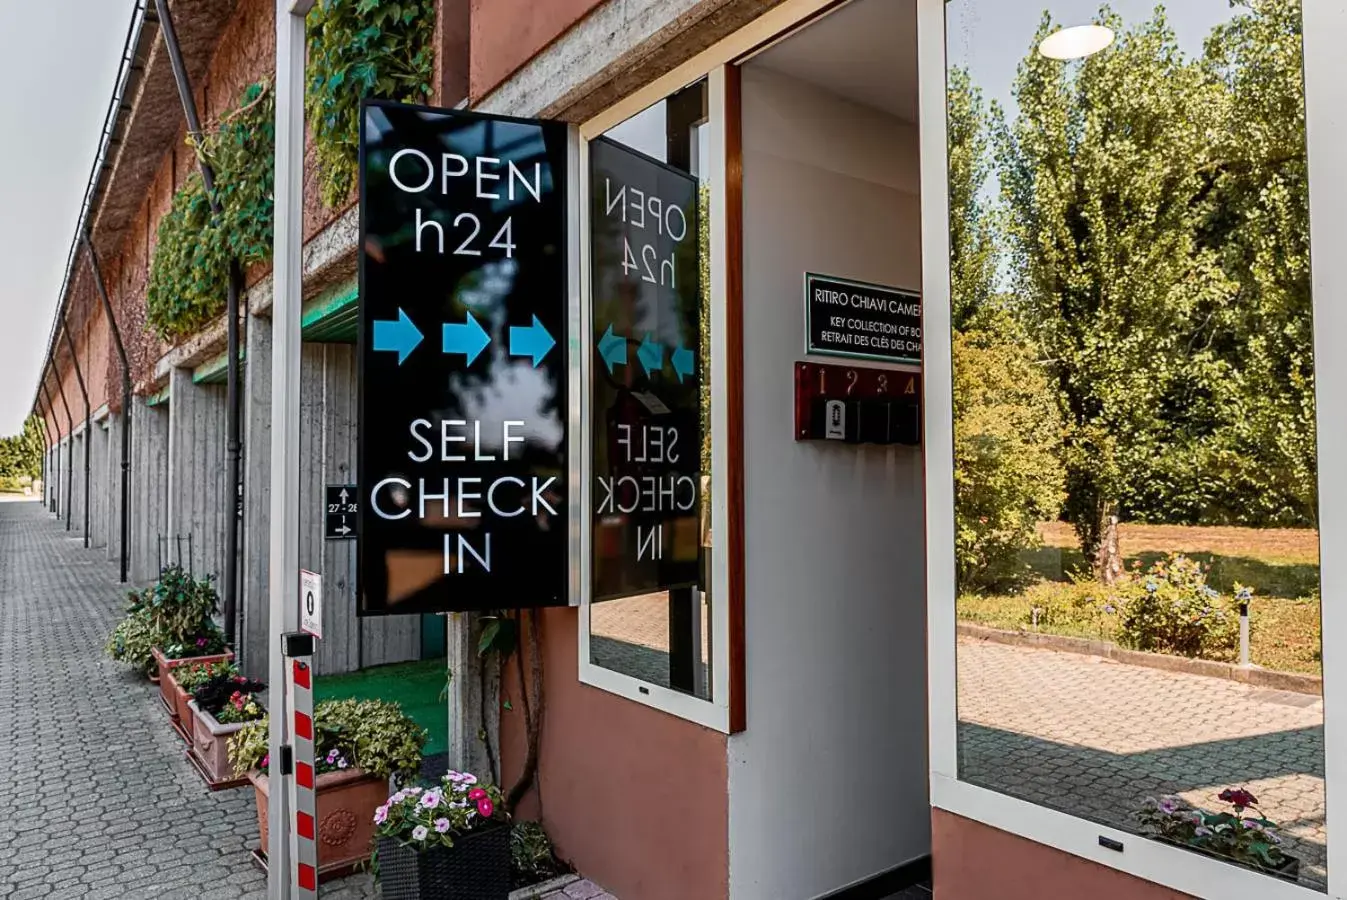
(1258, 215)
(1007, 435)
(1101, 177)
(972, 243)
(21, 454)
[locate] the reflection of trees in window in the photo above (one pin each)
(1154, 218)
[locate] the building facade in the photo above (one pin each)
(835, 708)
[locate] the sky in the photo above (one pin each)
(58, 60)
(990, 37)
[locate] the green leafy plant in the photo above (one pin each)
(1171, 609)
(1246, 837)
(181, 608)
(358, 49)
(227, 695)
(196, 247)
(373, 735)
(532, 858)
(134, 638)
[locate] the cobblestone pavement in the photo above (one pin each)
(1095, 737)
(97, 802)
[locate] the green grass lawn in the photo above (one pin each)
(415, 686)
(1281, 565)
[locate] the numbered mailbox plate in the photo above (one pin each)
(815, 381)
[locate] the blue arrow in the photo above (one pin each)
(398, 336)
(683, 361)
(613, 349)
(468, 338)
(651, 355)
(531, 340)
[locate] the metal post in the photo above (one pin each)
(302, 799)
(1244, 634)
(126, 405)
(233, 408)
(287, 287)
(88, 420)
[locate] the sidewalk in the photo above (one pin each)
(98, 802)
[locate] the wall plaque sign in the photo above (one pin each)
(862, 321)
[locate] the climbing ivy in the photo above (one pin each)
(189, 274)
(358, 49)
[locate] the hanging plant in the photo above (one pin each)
(189, 273)
(358, 49)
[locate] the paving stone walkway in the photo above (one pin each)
(1095, 738)
(97, 801)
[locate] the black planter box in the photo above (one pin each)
(477, 867)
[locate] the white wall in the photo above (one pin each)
(828, 784)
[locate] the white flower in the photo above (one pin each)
(419, 833)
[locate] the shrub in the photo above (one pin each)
(532, 858)
(1171, 609)
(133, 639)
(1007, 433)
(374, 735)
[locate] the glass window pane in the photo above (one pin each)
(651, 439)
(1135, 469)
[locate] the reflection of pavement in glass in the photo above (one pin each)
(631, 636)
(1095, 738)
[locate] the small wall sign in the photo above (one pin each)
(340, 512)
(311, 603)
(862, 321)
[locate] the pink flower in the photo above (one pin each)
(266, 761)
(469, 778)
(380, 815)
(442, 825)
(430, 799)
(485, 807)
(476, 794)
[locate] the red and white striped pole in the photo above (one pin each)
(303, 803)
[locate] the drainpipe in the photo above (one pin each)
(70, 435)
(88, 421)
(56, 445)
(232, 407)
(126, 405)
(46, 457)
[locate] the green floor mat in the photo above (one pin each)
(415, 686)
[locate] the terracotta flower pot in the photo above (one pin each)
(168, 688)
(210, 744)
(346, 804)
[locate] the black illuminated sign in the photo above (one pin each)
(646, 397)
(862, 321)
(463, 388)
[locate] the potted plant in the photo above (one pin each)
(358, 746)
(183, 680)
(1241, 836)
(134, 638)
(449, 842)
(181, 607)
(222, 702)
